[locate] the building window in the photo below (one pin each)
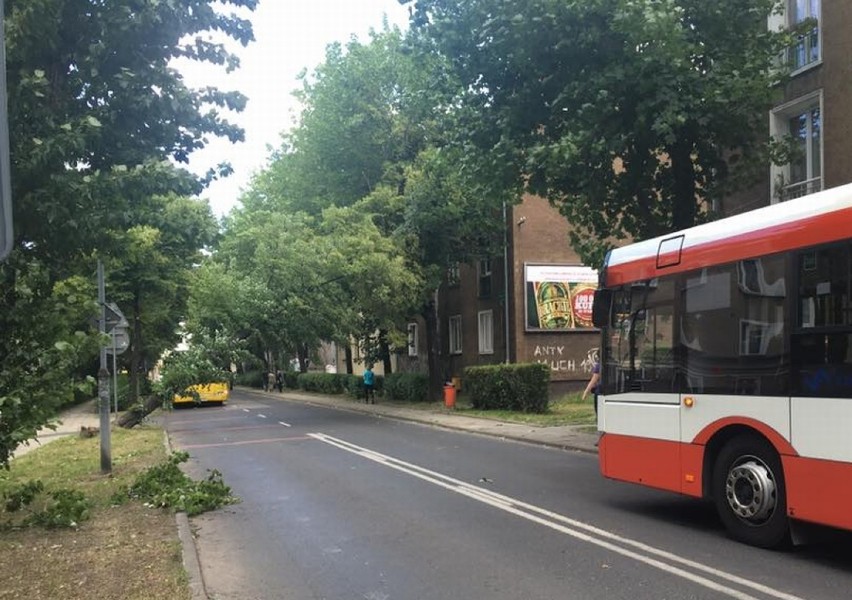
(806, 50)
(484, 271)
(453, 274)
(486, 332)
(800, 122)
(456, 334)
(413, 339)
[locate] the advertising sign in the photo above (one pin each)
(559, 297)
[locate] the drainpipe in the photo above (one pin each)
(506, 282)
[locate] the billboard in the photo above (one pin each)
(559, 297)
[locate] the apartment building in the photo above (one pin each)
(815, 109)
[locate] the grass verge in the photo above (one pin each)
(567, 410)
(125, 551)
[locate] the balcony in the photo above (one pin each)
(800, 188)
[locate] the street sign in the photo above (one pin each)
(114, 317)
(120, 340)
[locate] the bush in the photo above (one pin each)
(291, 380)
(355, 386)
(323, 383)
(406, 387)
(520, 388)
(253, 379)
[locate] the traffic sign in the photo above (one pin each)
(114, 317)
(120, 340)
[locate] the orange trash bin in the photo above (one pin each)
(449, 396)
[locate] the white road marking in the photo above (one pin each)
(644, 553)
(284, 424)
(261, 416)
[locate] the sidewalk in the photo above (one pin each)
(69, 422)
(567, 437)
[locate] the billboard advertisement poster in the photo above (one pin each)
(559, 297)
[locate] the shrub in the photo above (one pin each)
(252, 379)
(355, 385)
(291, 380)
(521, 387)
(323, 383)
(406, 387)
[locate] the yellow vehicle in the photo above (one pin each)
(207, 394)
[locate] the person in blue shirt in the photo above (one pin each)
(369, 381)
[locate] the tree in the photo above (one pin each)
(632, 116)
(149, 274)
(95, 114)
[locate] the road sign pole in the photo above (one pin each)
(103, 379)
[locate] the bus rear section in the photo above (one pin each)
(210, 393)
(726, 365)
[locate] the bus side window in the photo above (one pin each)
(653, 340)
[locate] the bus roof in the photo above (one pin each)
(818, 218)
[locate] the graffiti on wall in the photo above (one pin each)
(558, 358)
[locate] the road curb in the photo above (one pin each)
(189, 551)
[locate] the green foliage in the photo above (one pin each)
(632, 116)
(166, 486)
(59, 508)
(253, 379)
(406, 387)
(98, 117)
(354, 385)
(67, 508)
(324, 383)
(206, 360)
(22, 495)
(522, 387)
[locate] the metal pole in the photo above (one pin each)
(506, 282)
(114, 375)
(103, 379)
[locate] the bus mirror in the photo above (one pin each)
(600, 308)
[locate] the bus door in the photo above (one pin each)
(640, 395)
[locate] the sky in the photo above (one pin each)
(290, 35)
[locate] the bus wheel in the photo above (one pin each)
(749, 492)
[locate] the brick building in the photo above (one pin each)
(478, 327)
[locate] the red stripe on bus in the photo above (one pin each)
(782, 446)
(819, 229)
(819, 491)
(655, 463)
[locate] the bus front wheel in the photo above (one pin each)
(749, 492)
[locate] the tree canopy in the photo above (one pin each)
(99, 119)
(632, 116)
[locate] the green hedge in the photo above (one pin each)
(253, 379)
(520, 388)
(406, 387)
(323, 383)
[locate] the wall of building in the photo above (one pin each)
(834, 76)
(539, 235)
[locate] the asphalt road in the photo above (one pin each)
(343, 505)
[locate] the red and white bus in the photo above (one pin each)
(726, 365)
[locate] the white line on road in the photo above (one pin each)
(261, 416)
(577, 529)
(284, 424)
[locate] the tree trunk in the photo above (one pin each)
(433, 348)
(384, 352)
(348, 358)
(135, 353)
(138, 412)
(685, 204)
